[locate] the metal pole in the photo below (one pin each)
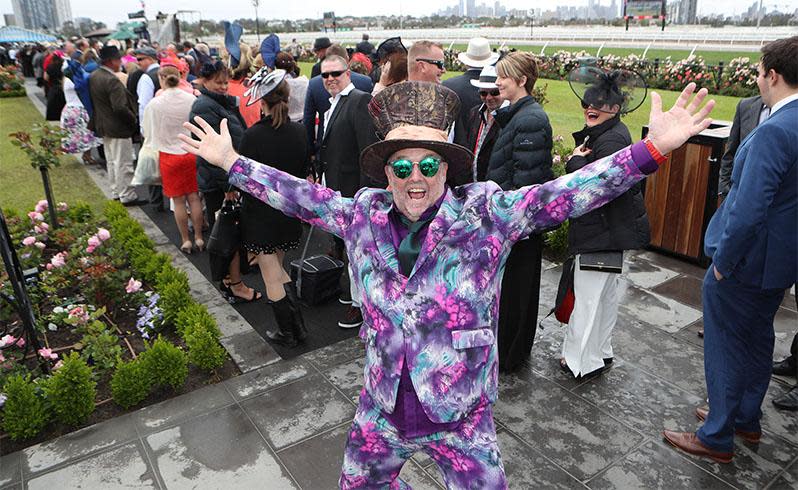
(21, 300)
(48, 194)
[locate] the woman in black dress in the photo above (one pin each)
(266, 232)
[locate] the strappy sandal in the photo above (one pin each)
(233, 298)
(187, 247)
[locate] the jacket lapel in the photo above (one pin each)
(752, 117)
(338, 108)
(381, 233)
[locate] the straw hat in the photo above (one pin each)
(478, 53)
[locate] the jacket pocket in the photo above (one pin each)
(464, 339)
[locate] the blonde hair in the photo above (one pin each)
(419, 49)
(244, 68)
(517, 65)
(170, 76)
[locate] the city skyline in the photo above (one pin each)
(112, 12)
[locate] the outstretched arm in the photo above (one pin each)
(532, 208)
(295, 197)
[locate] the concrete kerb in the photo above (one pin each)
(246, 347)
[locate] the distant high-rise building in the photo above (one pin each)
(41, 14)
(471, 9)
(461, 12)
(9, 19)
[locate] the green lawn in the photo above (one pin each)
(20, 184)
(566, 115)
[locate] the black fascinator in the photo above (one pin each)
(599, 88)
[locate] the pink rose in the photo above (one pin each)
(7, 340)
(48, 354)
(2, 359)
(58, 365)
(133, 286)
(62, 206)
(44, 226)
(36, 216)
(90, 249)
(20, 342)
(40, 245)
(41, 206)
(58, 260)
(94, 241)
(103, 234)
(28, 241)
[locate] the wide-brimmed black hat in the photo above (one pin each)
(390, 46)
(415, 115)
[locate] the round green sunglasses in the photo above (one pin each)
(428, 166)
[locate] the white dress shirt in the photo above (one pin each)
(145, 90)
(334, 102)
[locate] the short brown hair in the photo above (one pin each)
(337, 50)
(517, 65)
(419, 48)
(334, 58)
(781, 56)
(170, 76)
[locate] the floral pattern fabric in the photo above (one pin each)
(74, 121)
(468, 457)
(436, 317)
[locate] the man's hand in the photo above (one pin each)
(718, 275)
(216, 148)
(670, 130)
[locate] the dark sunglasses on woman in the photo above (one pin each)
(428, 166)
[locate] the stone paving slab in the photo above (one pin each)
(268, 378)
(221, 449)
(655, 466)
(124, 467)
(249, 350)
(179, 409)
(577, 434)
(10, 468)
(527, 468)
(298, 410)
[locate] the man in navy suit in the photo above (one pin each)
(753, 242)
(317, 100)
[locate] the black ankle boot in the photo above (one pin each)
(285, 334)
(300, 331)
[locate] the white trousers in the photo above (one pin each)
(119, 155)
(589, 332)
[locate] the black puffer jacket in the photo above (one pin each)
(621, 224)
(213, 108)
(522, 153)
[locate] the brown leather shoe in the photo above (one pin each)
(750, 437)
(689, 443)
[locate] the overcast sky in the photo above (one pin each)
(111, 12)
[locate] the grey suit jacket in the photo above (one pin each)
(746, 118)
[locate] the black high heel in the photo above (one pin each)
(232, 298)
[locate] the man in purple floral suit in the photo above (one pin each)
(429, 257)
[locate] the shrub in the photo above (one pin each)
(71, 391)
(130, 384)
(101, 346)
(174, 297)
(170, 274)
(195, 315)
(166, 364)
(151, 265)
(24, 414)
(204, 350)
(557, 241)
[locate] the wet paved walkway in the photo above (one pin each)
(284, 425)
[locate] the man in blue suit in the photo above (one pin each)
(317, 100)
(753, 242)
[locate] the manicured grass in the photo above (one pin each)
(710, 57)
(21, 184)
(567, 117)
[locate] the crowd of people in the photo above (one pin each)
(437, 194)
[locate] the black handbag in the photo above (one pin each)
(611, 262)
(225, 239)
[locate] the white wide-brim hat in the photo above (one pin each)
(478, 53)
(487, 78)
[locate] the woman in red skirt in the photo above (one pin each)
(163, 121)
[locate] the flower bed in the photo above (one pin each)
(11, 85)
(738, 78)
(115, 323)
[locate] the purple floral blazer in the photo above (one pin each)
(442, 318)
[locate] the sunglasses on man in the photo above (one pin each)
(484, 93)
(438, 63)
(334, 74)
(428, 166)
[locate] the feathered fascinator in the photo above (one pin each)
(599, 88)
(262, 83)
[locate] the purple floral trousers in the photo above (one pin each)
(468, 456)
